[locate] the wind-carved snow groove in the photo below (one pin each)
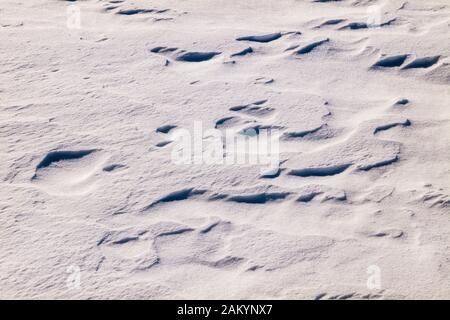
(196, 56)
(56, 156)
(184, 56)
(214, 225)
(175, 232)
(310, 47)
(131, 12)
(331, 22)
(347, 296)
(271, 174)
(301, 134)
(391, 61)
(253, 198)
(399, 60)
(165, 128)
(113, 167)
(254, 109)
(423, 63)
(364, 25)
(261, 38)
(319, 171)
(308, 197)
(255, 195)
(125, 240)
(163, 49)
(401, 102)
(324, 193)
(242, 52)
(163, 143)
(226, 122)
(393, 233)
(259, 198)
(378, 164)
(179, 195)
(405, 123)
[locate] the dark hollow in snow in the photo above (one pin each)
(243, 52)
(179, 195)
(56, 156)
(423, 62)
(162, 49)
(225, 121)
(310, 47)
(308, 197)
(261, 38)
(197, 56)
(131, 12)
(163, 143)
(391, 62)
(379, 164)
(300, 134)
(402, 102)
(319, 172)
(259, 197)
(165, 128)
(331, 22)
(406, 123)
(356, 26)
(112, 167)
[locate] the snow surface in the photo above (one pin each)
(93, 93)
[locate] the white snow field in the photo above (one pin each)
(95, 95)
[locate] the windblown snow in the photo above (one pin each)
(94, 93)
